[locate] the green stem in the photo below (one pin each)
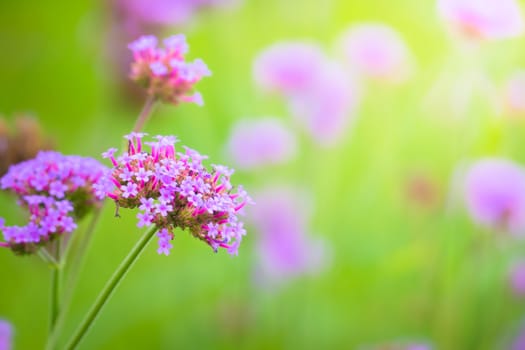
(145, 113)
(109, 288)
(73, 274)
(55, 297)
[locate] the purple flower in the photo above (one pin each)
(284, 248)
(495, 194)
(6, 334)
(164, 72)
(482, 19)
(166, 12)
(327, 108)
(259, 142)
(179, 192)
(376, 51)
(56, 190)
(288, 67)
(517, 278)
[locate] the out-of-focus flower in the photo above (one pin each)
(289, 67)
(482, 19)
(56, 190)
(164, 72)
(165, 12)
(517, 278)
(260, 142)
(400, 345)
(377, 51)
(495, 194)
(173, 189)
(514, 94)
(327, 108)
(284, 248)
(6, 334)
(20, 142)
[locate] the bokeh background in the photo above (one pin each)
(402, 261)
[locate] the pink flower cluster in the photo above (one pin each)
(56, 190)
(164, 72)
(173, 189)
(483, 19)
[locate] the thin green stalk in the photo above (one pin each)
(48, 258)
(73, 274)
(109, 288)
(56, 274)
(145, 113)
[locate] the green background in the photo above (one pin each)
(397, 271)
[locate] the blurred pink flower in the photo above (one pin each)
(377, 51)
(288, 67)
(517, 278)
(284, 248)
(327, 108)
(514, 93)
(495, 194)
(165, 12)
(259, 142)
(483, 19)
(6, 333)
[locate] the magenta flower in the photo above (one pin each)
(164, 72)
(178, 191)
(377, 51)
(288, 67)
(495, 194)
(6, 334)
(517, 278)
(56, 190)
(284, 248)
(482, 19)
(166, 12)
(260, 142)
(514, 93)
(327, 108)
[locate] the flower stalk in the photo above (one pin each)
(109, 288)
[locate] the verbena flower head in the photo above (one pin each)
(288, 67)
(6, 334)
(483, 19)
(284, 247)
(164, 72)
(327, 108)
(377, 51)
(260, 142)
(495, 194)
(173, 189)
(57, 190)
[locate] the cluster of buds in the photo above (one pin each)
(57, 190)
(173, 189)
(164, 72)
